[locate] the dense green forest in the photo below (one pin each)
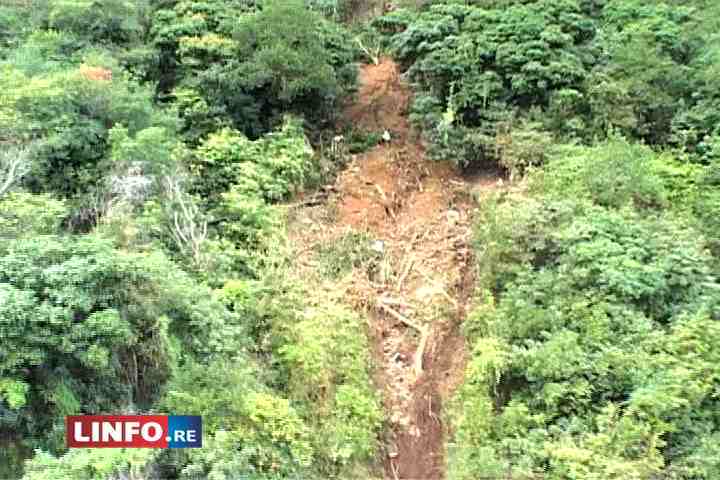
(149, 150)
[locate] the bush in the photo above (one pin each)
(611, 174)
(349, 251)
(322, 363)
(582, 363)
(88, 464)
(110, 21)
(72, 112)
(268, 169)
(235, 64)
(26, 215)
(475, 64)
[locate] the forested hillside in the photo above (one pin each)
(362, 239)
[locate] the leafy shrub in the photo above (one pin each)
(644, 70)
(72, 113)
(89, 464)
(611, 174)
(248, 230)
(25, 215)
(269, 168)
(648, 47)
(250, 66)
(581, 362)
(475, 63)
(707, 205)
(359, 141)
(113, 21)
(320, 354)
(326, 357)
(44, 52)
(521, 148)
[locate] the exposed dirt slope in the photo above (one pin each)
(417, 212)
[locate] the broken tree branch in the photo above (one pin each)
(14, 165)
(374, 57)
(424, 331)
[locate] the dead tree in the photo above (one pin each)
(188, 228)
(14, 165)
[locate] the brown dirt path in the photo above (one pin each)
(420, 211)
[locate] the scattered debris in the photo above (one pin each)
(417, 297)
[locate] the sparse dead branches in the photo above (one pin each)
(423, 330)
(188, 229)
(14, 165)
(372, 53)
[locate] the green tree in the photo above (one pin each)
(87, 328)
(239, 66)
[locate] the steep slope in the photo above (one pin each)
(416, 215)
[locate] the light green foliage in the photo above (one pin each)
(25, 215)
(246, 427)
(322, 355)
(214, 390)
(269, 168)
(326, 358)
(274, 446)
(249, 233)
(89, 464)
(104, 322)
(13, 392)
(611, 174)
(154, 150)
(44, 52)
(71, 114)
(238, 179)
(296, 403)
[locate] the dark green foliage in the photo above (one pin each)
(359, 141)
(116, 22)
(105, 322)
(70, 114)
(475, 63)
(649, 51)
(87, 328)
(580, 69)
(589, 353)
(236, 65)
(591, 325)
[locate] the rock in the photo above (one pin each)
(378, 246)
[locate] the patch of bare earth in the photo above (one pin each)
(417, 297)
